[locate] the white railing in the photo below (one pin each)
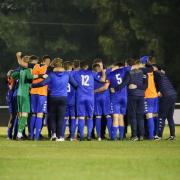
(6, 107)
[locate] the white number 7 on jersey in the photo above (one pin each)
(85, 79)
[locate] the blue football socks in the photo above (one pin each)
(32, 126)
(150, 124)
(73, 128)
(98, 127)
(38, 126)
(121, 132)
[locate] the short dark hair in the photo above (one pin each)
(97, 60)
(76, 63)
(159, 67)
(129, 61)
(67, 64)
(46, 57)
(119, 64)
(133, 61)
(136, 61)
(152, 60)
(26, 59)
(84, 64)
(33, 57)
(95, 65)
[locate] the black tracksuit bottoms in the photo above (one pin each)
(166, 111)
(56, 112)
(135, 110)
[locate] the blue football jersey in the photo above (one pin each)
(71, 91)
(115, 78)
(85, 80)
(85, 92)
(108, 70)
(102, 99)
(98, 84)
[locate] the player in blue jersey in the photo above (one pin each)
(85, 98)
(12, 103)
(102, 103)
(104, 120)
(118, 99)
(71, 107)
(136, 83)
(76, 67)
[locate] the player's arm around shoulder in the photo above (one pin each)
(103, 88)
(125, 82)
(45, 82)
(103, 77)
(72, 80)
(15, 74)
(30, 76)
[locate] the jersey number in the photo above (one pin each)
(68, 88)
(118, 78)
(85, 79)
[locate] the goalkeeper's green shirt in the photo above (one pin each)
(25, 76)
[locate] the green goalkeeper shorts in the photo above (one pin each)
(23, 104)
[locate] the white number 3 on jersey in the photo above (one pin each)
(85, 80)
(118, 78)
(68, 88)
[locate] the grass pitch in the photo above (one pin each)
(90, 160)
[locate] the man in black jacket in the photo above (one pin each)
(167, 102)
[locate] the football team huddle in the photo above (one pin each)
(61, 94)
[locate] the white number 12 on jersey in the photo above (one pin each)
(118, 78)
(85, 79)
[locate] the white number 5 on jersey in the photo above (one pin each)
(118, 78)
(85, 80)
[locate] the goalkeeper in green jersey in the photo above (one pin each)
(23, 98)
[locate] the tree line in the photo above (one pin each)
(85, 29)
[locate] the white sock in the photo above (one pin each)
(19, 135)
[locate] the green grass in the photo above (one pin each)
(90, 160)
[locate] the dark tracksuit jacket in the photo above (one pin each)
(166, 102)
(135, 106)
